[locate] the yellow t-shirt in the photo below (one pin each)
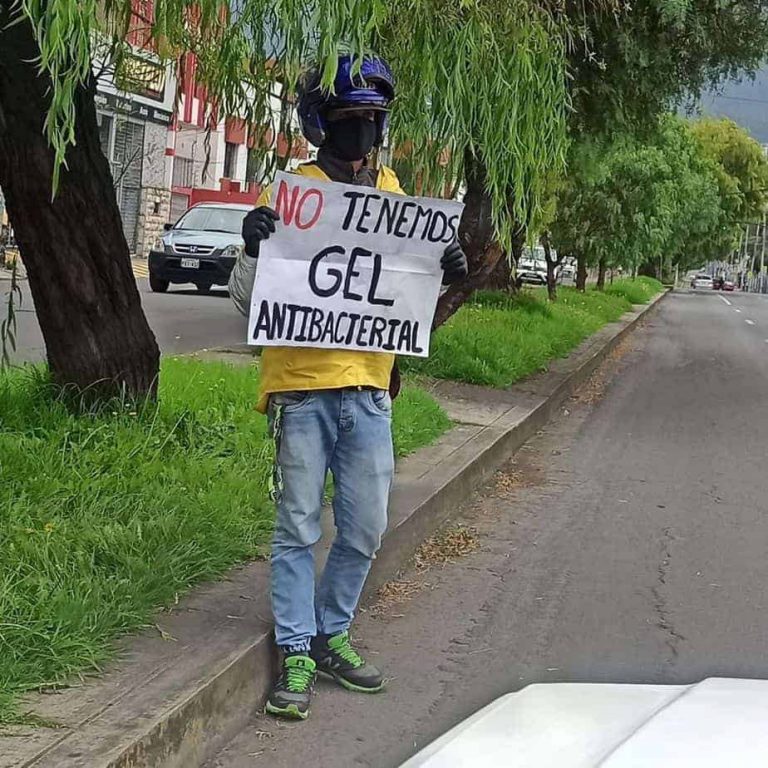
(304, 368)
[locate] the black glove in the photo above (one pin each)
(258, 225)
(454, 264)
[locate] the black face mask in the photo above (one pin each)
(351, 138)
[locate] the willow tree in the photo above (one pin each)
(483, 85)
(482, 82)
(627, 71)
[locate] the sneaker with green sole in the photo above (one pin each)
(335, 656)
(292, 692)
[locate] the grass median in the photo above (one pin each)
(497, 339)
(107, 515)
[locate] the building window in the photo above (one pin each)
(230, 160)
(105, 123)
(183, 172)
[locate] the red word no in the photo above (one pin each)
(291, 208)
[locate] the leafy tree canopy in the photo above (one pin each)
(628, 69)
(485, 77)
(741, 165)
(661, 200)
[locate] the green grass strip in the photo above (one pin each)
(107, 515)
(497, 339)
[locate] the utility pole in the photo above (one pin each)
(744, 262)
(762, 260)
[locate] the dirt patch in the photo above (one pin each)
(594, 388)
(443, 548)
(392, 594)
(508, 480)
(524, 470)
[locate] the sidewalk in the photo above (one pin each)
(6, 275)
(183, 688)
(138, 266)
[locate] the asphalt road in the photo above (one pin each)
(182, 320)
(625, 543)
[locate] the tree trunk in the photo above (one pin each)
(518, 243)
(601, 266)
(504, 276)
(96, 336)
(552, 265)
(501, 277)
(581, 272)
(477, 238)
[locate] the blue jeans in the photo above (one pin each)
(349, 432)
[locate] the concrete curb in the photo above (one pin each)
(173, 706)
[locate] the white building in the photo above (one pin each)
(134, 106)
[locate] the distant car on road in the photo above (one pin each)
(718, 722)
(702, 281)
(719, 283)
(200, 248)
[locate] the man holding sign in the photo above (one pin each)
(350, 278)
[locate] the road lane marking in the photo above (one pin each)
(749, 322)
(722, 298)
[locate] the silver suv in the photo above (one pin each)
(200, 248)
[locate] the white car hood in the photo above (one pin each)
(719, 722)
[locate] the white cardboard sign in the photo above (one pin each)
(350, 267)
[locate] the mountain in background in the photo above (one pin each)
(744, 102)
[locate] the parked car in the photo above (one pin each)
(567, 272)
(532, 272)
(728, 285)
(714, 723)
(702, 281)
(200, 248)
(717, 282)
(532, 267)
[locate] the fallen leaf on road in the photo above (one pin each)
(394, 593)
(507, 481)
(444, 547)
(593, 389)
